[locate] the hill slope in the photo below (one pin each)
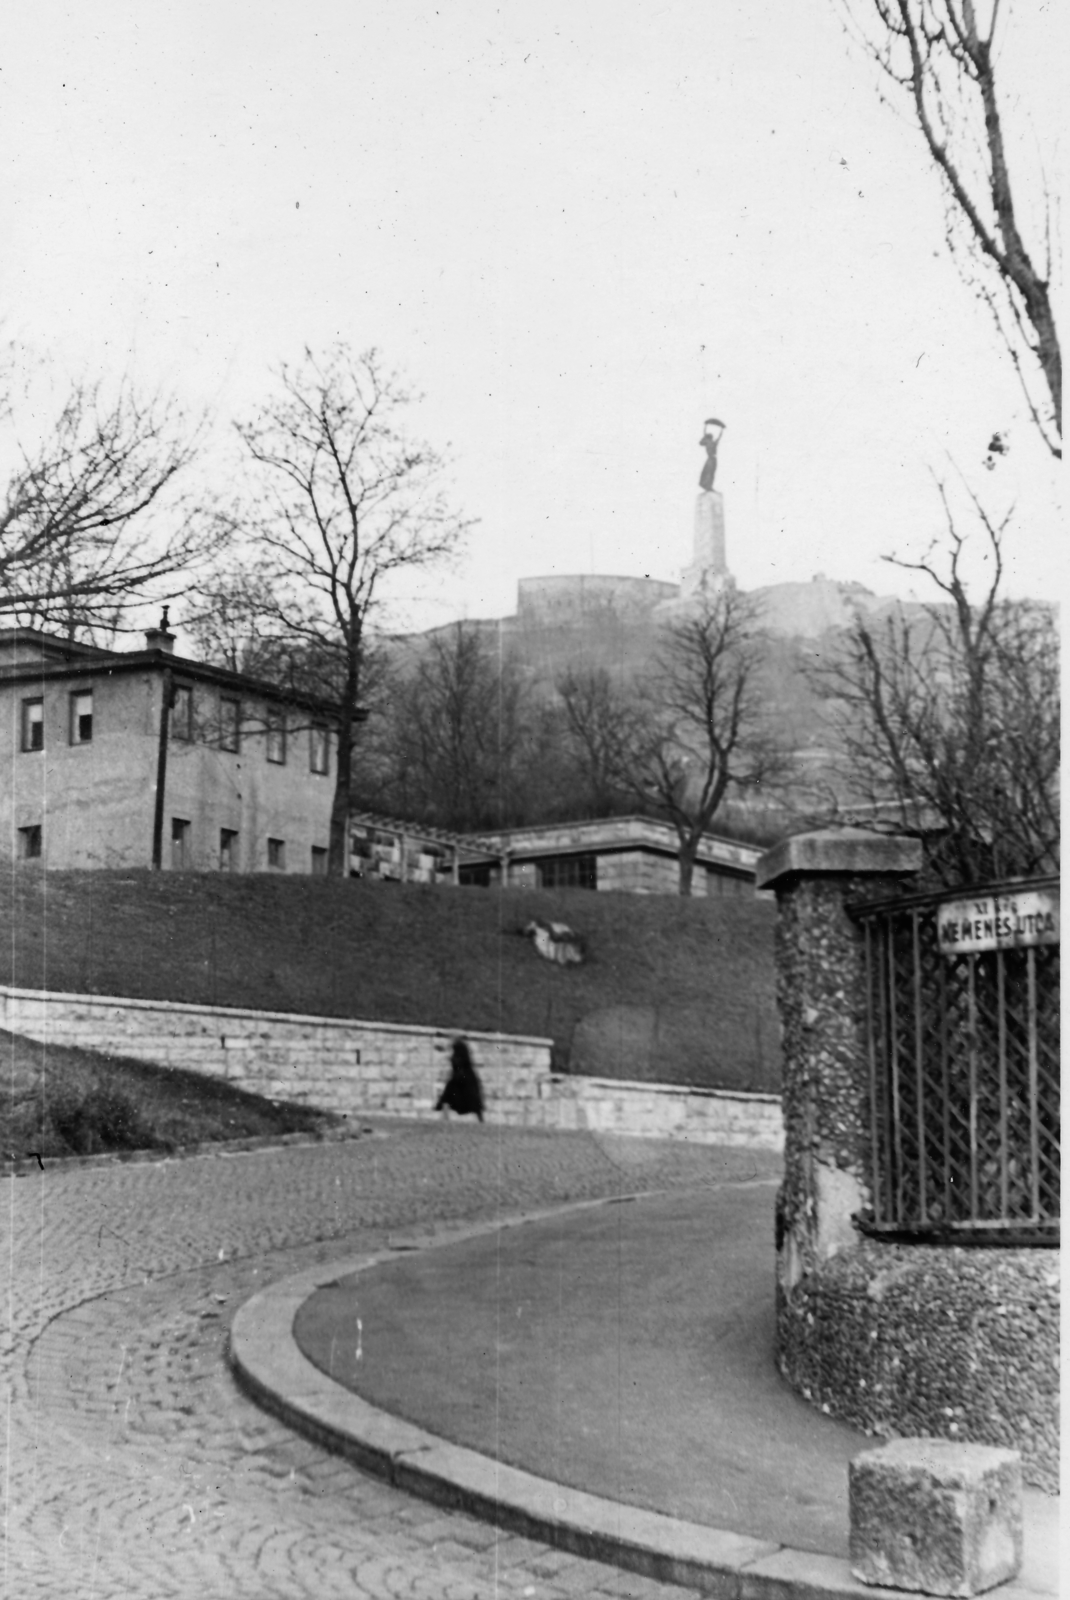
(673, 990)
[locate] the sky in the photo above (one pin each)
(576, 229)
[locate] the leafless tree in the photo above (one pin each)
(463, 741)
(702, 732)
(948, 722)
(235, 621)
(92, 518)
(939, 53)
(343, 498)
(602, 724)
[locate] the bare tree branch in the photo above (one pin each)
(92, 520)
(344, 498)
(936, 52)
(699, 730)
(948, 723)
(463, 736)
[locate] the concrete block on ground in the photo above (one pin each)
(936, 1516)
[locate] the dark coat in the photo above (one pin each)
(463, 1092)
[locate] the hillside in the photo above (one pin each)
(673, 990)
(616, 624)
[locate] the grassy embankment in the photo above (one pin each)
(673, 990)
(59, 1102)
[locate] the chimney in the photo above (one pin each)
(160, 638)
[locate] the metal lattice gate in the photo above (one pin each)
(963, 1071)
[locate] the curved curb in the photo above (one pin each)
(250, 1144)
(268, 1364)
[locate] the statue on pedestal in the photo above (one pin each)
(709, 443)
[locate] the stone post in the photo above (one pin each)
(905, 1340)
(821, 999)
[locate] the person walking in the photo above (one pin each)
(462, 1092)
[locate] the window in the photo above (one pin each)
(33, 724)
(229, 724)
(228, 849)
(182, 712)
(480, 874)
(568, 872)
(30, 842)
(82, 716)
(319, 861)
(277, 855)
(180, 843)
(319, 747)
(276, 737)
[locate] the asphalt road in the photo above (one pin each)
(625, 1350)
(132, 1465)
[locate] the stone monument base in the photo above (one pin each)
(707, 573)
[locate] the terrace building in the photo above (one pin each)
(636, 855)
(135, 758)
(633, 855)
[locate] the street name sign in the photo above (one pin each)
(1009, 921)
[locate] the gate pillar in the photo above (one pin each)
(821, 996)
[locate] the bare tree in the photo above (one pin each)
(703, 732)
(602, 725)
(948, 722)
(937, 52)
(91, 520)
(235, 621)
(462, 745)
(344, 499)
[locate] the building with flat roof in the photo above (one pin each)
(141, 757)
(635, 855)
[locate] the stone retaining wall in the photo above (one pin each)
(355, 1067)
(669, 1111)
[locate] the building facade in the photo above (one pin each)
(135, 758)
(633, 855)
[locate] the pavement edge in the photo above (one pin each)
(272, 1370)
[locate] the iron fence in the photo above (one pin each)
(963, 1044)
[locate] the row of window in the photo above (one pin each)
(80, 727)
(229, 732)
(182, 844)
(31, 841)
(80, 720)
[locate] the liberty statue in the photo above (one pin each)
(709, 443)
(708, 572)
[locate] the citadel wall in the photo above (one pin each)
(552, 601)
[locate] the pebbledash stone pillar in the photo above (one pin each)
(903, 1339)
(821, 999)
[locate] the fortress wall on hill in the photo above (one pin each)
(555, 600)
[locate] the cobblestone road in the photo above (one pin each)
(132, 1466)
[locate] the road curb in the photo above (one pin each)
(270, 1367)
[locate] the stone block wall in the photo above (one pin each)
(669, 1111)
(355, 1067)
(640, 872)
(337, 1064)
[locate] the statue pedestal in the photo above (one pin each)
(708, 572)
